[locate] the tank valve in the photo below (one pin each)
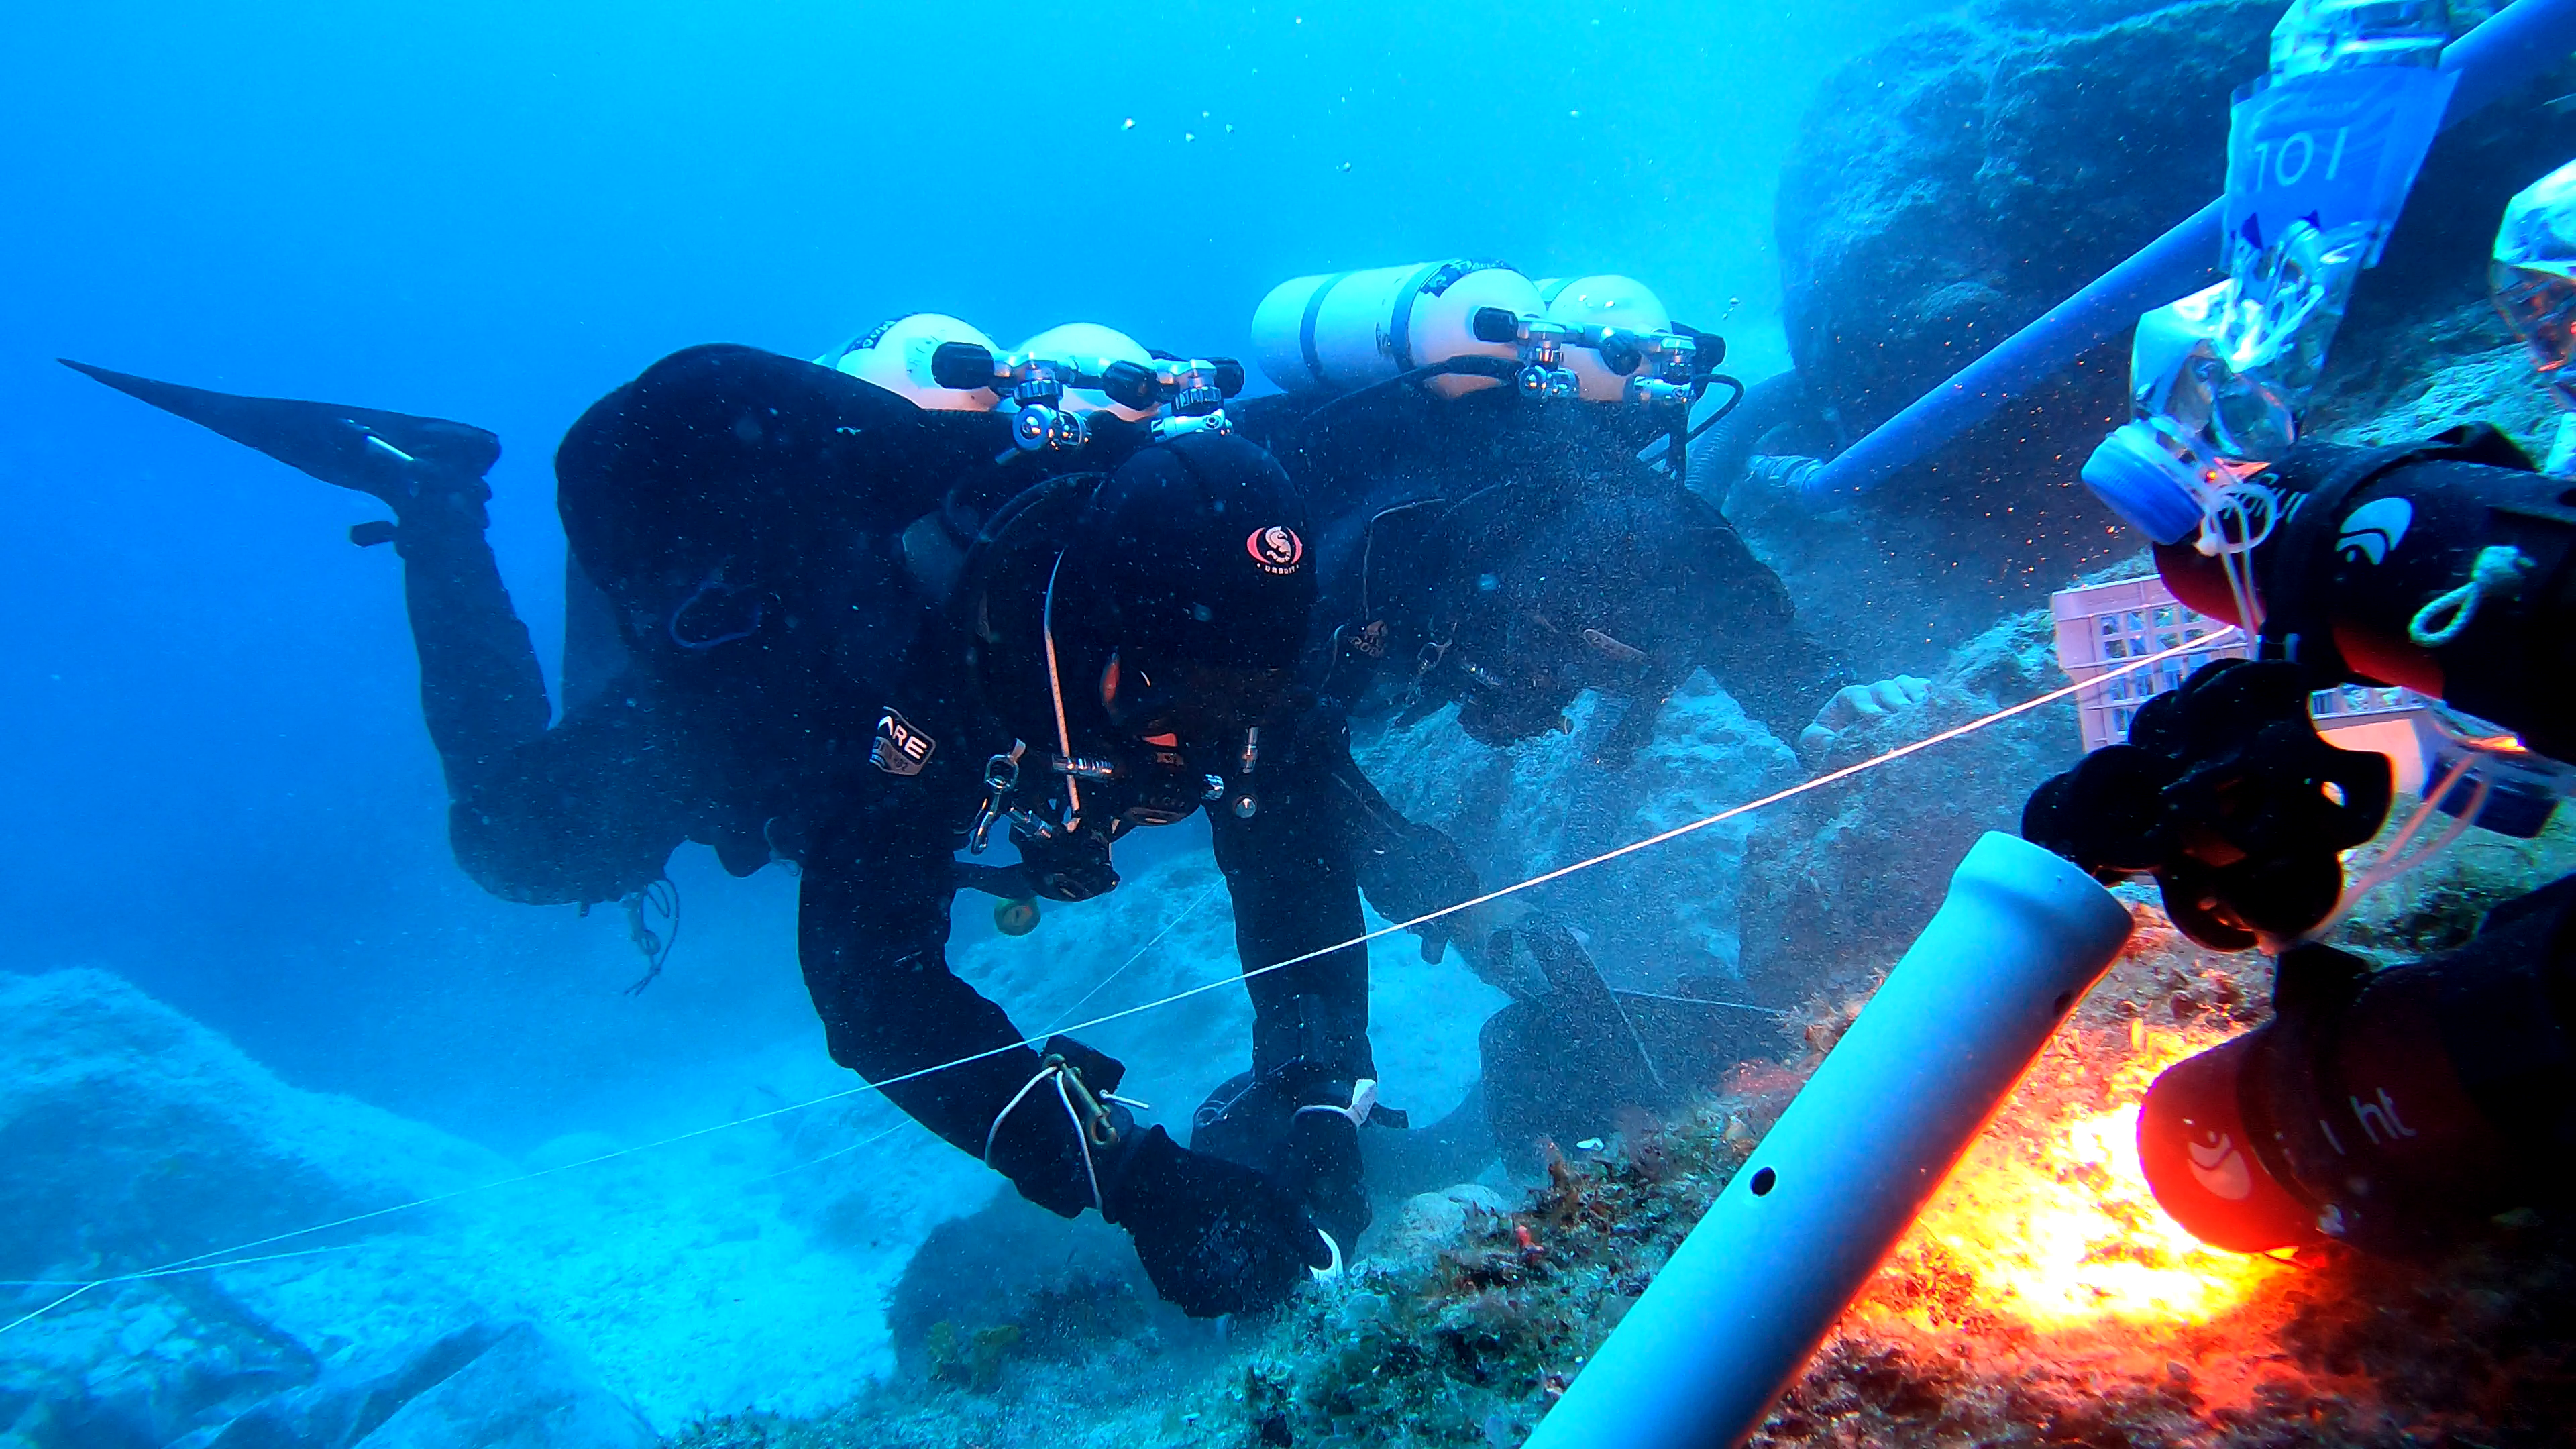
(1543, 383)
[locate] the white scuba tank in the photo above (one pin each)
(895, 356)
(1091, 347)
(1608, 300)
(1345, 330)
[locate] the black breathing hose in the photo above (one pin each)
(1498, 368)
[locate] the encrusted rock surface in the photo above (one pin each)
(1651, 919)
(1837, 881)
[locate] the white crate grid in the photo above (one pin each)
(2106, 625)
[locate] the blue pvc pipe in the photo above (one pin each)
(2517, 44)
(1748, 1295)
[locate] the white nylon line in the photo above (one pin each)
(870, 1141)
(1699, 1001)
(148, 1273)
(1168, 927)
(1560, 873)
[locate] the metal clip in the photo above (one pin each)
(1098, 1127)
(1001, 777)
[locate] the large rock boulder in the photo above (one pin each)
(135, 1137)
(709, 1272)
(1838, 881)
(1973, 171)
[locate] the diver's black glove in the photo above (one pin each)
(1214, 1236)
(1412, 871)
(1070, 865)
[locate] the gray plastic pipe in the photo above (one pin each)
(2516, 45)
(1753, 1289)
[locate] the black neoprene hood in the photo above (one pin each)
(1193, 552)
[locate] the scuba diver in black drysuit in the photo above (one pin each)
(1506, 554)
(1509, 554)
(809, 681)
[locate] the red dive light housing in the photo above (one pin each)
(2390, 1109)
(2201, 1161)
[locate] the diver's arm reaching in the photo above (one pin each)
(872, 929)
(1406, 869)
(1753, 642)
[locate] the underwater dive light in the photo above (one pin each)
(2391, 1109)
(1754, 1288)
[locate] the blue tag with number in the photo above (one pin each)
(2334, 149)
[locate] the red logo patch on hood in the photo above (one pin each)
(1276, 549)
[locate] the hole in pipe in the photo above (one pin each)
(1763, 1182)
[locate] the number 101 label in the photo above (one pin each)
(2334, 150)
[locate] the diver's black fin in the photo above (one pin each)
(374, 452)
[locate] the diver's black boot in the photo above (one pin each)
(482, 691)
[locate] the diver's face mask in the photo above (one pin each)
(2540, 307)
(1199, 704)
(1197, 732)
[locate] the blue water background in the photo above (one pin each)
(213, 778)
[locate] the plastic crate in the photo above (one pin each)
(2110, 624)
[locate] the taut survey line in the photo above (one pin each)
(223, 1258)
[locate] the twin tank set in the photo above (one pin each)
(1454, 326)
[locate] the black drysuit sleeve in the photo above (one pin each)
(872, 934)
(1756, 648)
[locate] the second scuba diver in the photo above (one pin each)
(1504, 546)
(1116, 648)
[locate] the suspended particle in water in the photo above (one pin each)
(1129, 124)
(1346, 166)
(1189, 135)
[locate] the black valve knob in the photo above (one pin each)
(962, 366)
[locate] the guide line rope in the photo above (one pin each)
(224, 1257)
(1169, 926)
(869, 1141)
(1700, 1001)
